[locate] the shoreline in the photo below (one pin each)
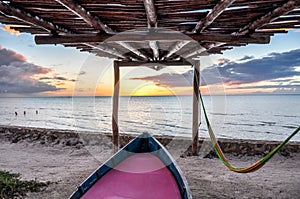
(66, 159)
(79, 139)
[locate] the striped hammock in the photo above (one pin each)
(257, 165)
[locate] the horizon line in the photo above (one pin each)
(70, 96)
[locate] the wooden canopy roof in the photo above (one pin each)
(202, 26)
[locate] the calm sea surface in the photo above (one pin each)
(265, 117)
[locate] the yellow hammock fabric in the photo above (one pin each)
(222, 157)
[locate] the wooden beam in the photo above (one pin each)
(153, 45)
(194, 51)
(269, 17)
(81, 12)
(20, 15)
(133, 49)
(151, 13)
(106, 49)
(153, 63)
(199, 50)
(195, 126)
(139, 37)
(175, 48)
(115, 126)
(212, 15)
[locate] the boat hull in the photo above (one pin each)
(141, 169)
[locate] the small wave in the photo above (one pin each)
(172, 125)
(289, 127)
(231, 123)
(247, 124)
(60, 123)
(287, 116)
(218, 114)
(130, 121)
(251, 131)
(268, 132)
(263, 123)
(65, 117)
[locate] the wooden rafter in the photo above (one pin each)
(269, 17)
(199, 50)
(212, 15)
(175, 48)
(215, 48)
(151, 13)
(27, 18)
(93, 21)
(153, 45)
(107, 49)
(133, 49)
(193, 51)
(132, 37)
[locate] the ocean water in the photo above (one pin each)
(258, 117)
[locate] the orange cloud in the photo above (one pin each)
(11, 31)
(19, 56)
(222, 60)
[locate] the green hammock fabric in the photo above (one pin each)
(222, 157)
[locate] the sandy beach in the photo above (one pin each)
(67, 165)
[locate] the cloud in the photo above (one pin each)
(223, 60)
(246, 58)
(280, 87)
(273, 66)
(292, 90)
(269, 68)
(17, 75)
(170, 79)
(11, 31)
(9, 56)
(58, 78)
(82, 73)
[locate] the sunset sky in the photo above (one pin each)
(27, 69)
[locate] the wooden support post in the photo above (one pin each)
(195, 134)
(115, 127)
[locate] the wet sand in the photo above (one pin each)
(67, 166)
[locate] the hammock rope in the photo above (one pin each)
(257, 165)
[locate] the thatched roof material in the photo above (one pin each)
(216, 25)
